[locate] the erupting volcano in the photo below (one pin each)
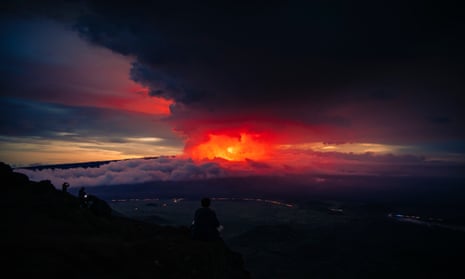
(231, 146)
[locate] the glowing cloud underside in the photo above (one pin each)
(231, 147)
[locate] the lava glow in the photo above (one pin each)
(232, 147)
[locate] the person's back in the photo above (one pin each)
(205, 225)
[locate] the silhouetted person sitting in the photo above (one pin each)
(83, 197)
(205, 225)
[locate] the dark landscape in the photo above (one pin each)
(274, 228)
(351, 227)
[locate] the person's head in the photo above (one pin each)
(205, 202)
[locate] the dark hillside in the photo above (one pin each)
(45, 232)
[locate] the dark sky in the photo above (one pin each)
(340, 72)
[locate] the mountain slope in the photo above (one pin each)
(47, 233)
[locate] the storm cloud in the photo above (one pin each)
(387, 72)
(347, 65)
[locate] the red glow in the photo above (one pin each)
(232, 146)
(137, 99)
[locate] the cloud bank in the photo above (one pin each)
(128, 172)
(134, 171)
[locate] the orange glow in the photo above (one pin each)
(237, 147)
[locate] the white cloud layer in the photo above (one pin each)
(134, 171)
(128, 172)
